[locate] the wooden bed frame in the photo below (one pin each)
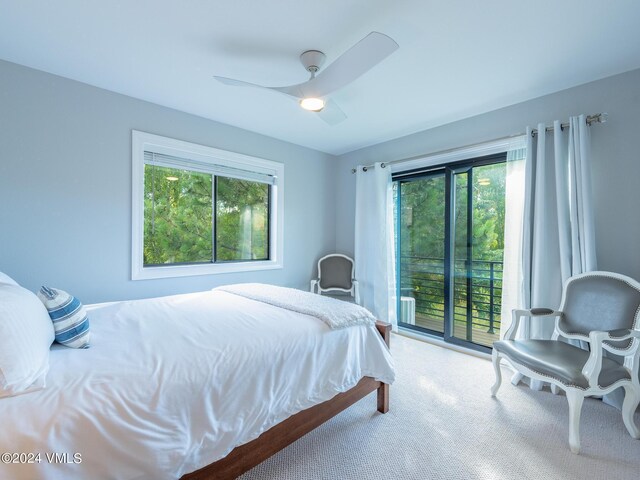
(245, 457)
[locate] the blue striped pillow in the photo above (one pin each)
(69, 317)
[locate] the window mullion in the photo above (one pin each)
(214, 218)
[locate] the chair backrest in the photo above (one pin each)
(600, 301)
(335, 271)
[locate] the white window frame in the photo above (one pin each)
(141, 142)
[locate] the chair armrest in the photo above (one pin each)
(622, 334)
(517, 314)
(591, 369)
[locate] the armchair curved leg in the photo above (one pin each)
(554, 389)
(629, 405)
(495, 358)
(575, 399)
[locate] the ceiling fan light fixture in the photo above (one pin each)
(312, 104)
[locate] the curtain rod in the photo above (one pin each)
(591, 119)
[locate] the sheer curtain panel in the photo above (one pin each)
(374, 242)
(512, 281)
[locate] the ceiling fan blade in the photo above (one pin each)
(356, 61)
(332, 113)
(235, 83)
(240, 83)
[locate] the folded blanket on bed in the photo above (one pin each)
(335, 313)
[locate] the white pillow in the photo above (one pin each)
(4, 278)
(26, 334)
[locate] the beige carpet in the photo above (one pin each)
(443, 424)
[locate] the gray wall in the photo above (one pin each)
(65, 188)
(616, 159)
(65, 180)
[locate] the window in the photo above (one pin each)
(198, 210)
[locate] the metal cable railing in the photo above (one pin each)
(477, 307)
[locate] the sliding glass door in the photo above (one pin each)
(420, 260)
(449, 241)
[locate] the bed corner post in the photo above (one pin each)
(385, 331)
(383, 389)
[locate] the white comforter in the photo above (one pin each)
(172, 384)
(335, 314)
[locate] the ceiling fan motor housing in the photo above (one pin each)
(312, 60)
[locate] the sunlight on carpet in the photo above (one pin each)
(443, 424)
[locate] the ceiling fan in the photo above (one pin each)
(311, 95)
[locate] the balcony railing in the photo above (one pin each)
(477, 295)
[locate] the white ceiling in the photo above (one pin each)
(457, 58)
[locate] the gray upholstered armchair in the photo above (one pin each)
(600, 308)
(336, 274)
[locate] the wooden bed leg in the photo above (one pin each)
(383, 398)
(383, 390)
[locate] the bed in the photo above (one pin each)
(202, 385)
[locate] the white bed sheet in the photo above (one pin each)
(172, 384)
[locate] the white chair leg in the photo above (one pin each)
(554, 389)
(629, 405)
(495, 358)
(536, 384)
(515, 379)
(575, 399)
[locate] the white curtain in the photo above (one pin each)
(512, 276)
(541, 251)
(374, 242)
(582, 232)
(558, 238)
